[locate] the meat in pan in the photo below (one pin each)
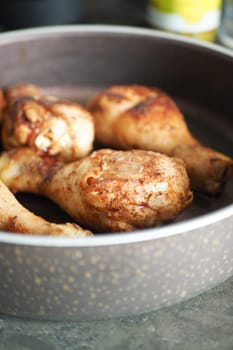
(106, 191)
(15, 218)
(49, 125)
(9, 95)
(129, 117)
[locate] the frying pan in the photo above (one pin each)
(112, 275)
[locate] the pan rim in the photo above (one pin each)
(115, 238)
(109, 239)
(21, 34)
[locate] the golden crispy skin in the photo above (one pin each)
(49, 125)
(107, 190)
(141, 117)
(15, 218)
(14, 92)
(2, 104)
(9, 95)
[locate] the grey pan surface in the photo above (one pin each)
(113, 275)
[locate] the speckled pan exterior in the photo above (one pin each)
(121, 274)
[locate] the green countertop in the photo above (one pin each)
(201, 323)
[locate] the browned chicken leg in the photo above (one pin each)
(140, 117)
(9, 95)
(2, 104)
(49, 125)
(14, 92)
(15, 218)
(108, 190)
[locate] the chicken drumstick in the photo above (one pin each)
(15, 218)
(108, 190)
(9, 95)
(49, 125)
(140, 117)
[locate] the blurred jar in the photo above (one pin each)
(225, 34)
(16, 14)
(199, 18)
